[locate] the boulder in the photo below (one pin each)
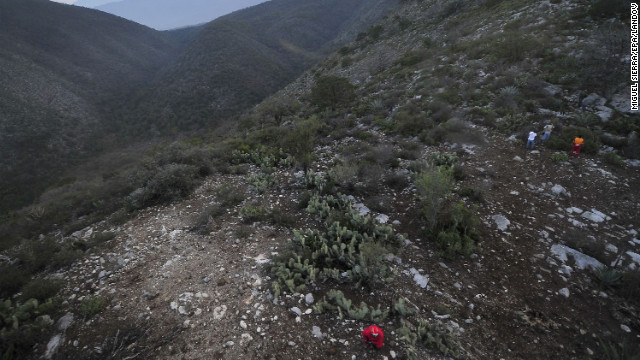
(501, 221)
(622, 101)
(593, 100)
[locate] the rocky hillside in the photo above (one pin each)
(390, 185)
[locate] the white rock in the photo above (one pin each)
(229, 344)
(64, 322)
(219, 311)
(635, 257)
(309, 299)
(594, 100)
(501, 221)
(611, 248)
(594, 216)
(296, 310)
(393, 354)
(382, 218)
(317, 332)
(245, 338)
(605, 113)
(243, 324)
(560, 190)
(582, 261)
(53, 345)
(420, 279)
(625, 328)
(564, 292)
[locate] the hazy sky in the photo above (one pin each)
(65, 1)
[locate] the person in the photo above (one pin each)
(546, 132)
(577, 145)
(374, 336)
(532, 138)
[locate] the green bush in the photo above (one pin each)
(560, 157)
(433, 186)
(251, 213)
(431, 335)
(12, 279)
(229, 196)
(170, 182)
(92, 305)
(331, 92)
(411, 58)
(40, 289)
(261, 182)
(457, 232)
(347, 248)
(410, 120)
(22, 325)
(612, 159)
(335, 301)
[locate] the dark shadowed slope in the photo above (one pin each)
(238, 60)
(58, 64)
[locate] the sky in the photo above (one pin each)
(65, 1)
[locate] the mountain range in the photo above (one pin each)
(77, 80)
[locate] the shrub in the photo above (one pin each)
(619, 351)
(335, 300)
(560, 157)
(261, 182)
(251, 213)
(92, 305)
(474, 194)
(22, 325)
(443, 159)
(457, 231)
(431, 335)
(299, 142)
(170, 182)
(65, 257)
(332, 91)
(433, 186)
(282, 218)
(12, 278)
(611, 158)
(40, 289)
(411, 58)
(347, 248)
(229, 196)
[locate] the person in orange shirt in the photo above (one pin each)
(373, 335)
(577, 145)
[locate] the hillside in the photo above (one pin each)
(238, 60)
(58, 66)
(79, 82)
(388, 184)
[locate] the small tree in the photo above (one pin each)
(331, 91)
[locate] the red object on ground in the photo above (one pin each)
(373, 335)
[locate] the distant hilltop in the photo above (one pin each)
(168, 14)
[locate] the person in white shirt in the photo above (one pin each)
(531, 141)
